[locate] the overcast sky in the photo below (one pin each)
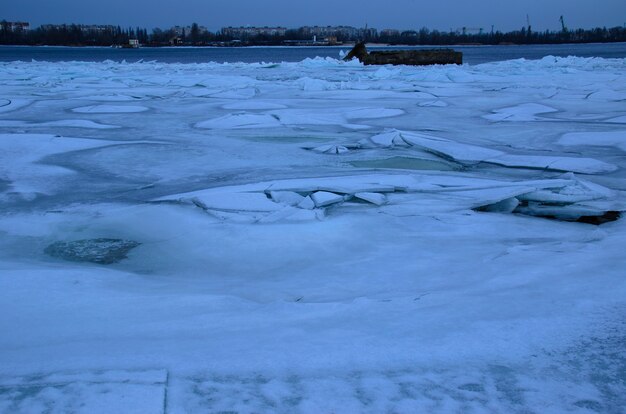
(400, 14)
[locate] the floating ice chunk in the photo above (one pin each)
(388, 139)
(232, 201)
(109, 98)
(356, 127)
(579, 165)
(449, 149)
(238, 93)
(309, 84)
(508, 205)
(475, 198)
(286, 197)
(374, 198)
(578, 190)
(70, 123)
(110, 109)
(610, 139)
(325, 198)
(293, 214)
(254, 104)
(307, 203)
(373, 113)
(19, 154)
(8, 105)
(331, 149)
(523, 112)
(241, 121)
(437, 104)
(607, 95)
(470, 154)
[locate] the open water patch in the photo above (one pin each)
(100, 251)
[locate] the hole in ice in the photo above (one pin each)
(552, 211)
(406, 163)
(100, 251)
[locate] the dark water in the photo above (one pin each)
(471, 54)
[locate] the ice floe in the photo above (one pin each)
(473, 154)
(293, 117)
(70, 123)
(110, 109)
(563, 197)
(520, 113)
(20, 154)
(8, 105)
(615, 139)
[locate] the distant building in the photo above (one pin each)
(97, 28)
(17, 26)
(338, 31)
(84, 28)
(246, 32)
(186, 30)
(342, 32)
(390, 32)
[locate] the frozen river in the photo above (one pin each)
(313, 237)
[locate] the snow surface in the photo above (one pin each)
(314, 237)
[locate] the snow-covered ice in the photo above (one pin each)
(313, 237)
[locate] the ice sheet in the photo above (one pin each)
(292, 252)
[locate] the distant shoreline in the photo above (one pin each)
(341, 46)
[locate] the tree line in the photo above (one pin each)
(82, 35)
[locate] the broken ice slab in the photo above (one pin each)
(618, 120)
(523, 112)
(307, 203)
(232, 201)
(86, 392)
(293, 214)
(110, 109)
(295, 117)
(615, 139)
(331, 149)
(577, 191)
(473, 154)
(255, 104)
(405, 193)
(406, 163)
(441, 147)
(100, 251)
(374, 198)
(241, 121)
(389, 139)
(325, 198)
(8, 105)
(436, 104)
(508, 205)
(554, 163)
(286, 197)
(70, 123)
